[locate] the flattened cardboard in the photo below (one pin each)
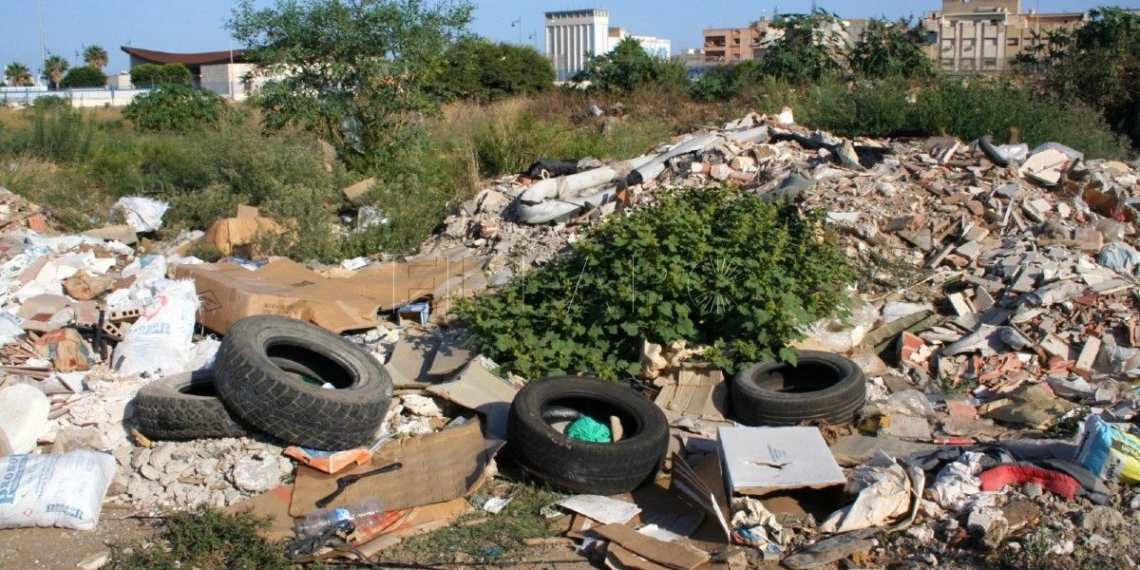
(668, 554)
(437, 467)
(760, 460)
(435, 275)
(274, 505)
(619, 558)
(410, 360)
(477, 389)
(451, 356)
(605, 510)
(230, 292)
(695, 390)
(698, 491)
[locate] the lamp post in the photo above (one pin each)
(518, 24)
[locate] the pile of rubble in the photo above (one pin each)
(998, 307)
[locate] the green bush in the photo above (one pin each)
(178, 108)
(153, 75)
(479, 70)
(83, 76)
(628, 67)
(717, 267)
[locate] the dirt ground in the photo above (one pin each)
(57, 548)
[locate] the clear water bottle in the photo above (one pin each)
(362, 515)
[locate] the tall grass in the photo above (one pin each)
(967, 108)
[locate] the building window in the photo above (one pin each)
(947, 64)
(1012, 41)
(989, 63)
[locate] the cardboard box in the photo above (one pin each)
(760, 460)
(234, 236)
(230, 292)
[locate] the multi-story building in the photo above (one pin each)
(573, 36)
(984, 36)
(733, 45)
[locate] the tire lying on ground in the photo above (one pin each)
(582, 466)
(821, 386)
(184, 406)
(271, 372)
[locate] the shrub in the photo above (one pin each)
(628, 68)
(152, 75)
(83, 76)
(716, 267)
(479, 70)
(178, 108)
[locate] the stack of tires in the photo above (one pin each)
(289, 379)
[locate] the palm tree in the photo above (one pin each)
(18, 75)
(54, 68)
(95, 56)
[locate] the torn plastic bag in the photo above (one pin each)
(883, 493)
(1074, 155)
(957, 483)
(1119, 256)
(143, 215)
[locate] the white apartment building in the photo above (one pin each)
(573, 36)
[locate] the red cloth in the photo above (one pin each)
(1002, 475)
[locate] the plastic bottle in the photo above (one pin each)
(363, 514)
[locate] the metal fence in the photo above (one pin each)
(93, 97)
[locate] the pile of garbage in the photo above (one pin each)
(991, 393)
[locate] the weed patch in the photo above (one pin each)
(208, 540)
(492, 541)
(716, 267)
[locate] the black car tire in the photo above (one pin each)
(581, 466)
(821, 386)
(270, 373)
(182, 407)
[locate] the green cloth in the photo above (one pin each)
(586, 428)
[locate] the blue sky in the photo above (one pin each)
(198, 25)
